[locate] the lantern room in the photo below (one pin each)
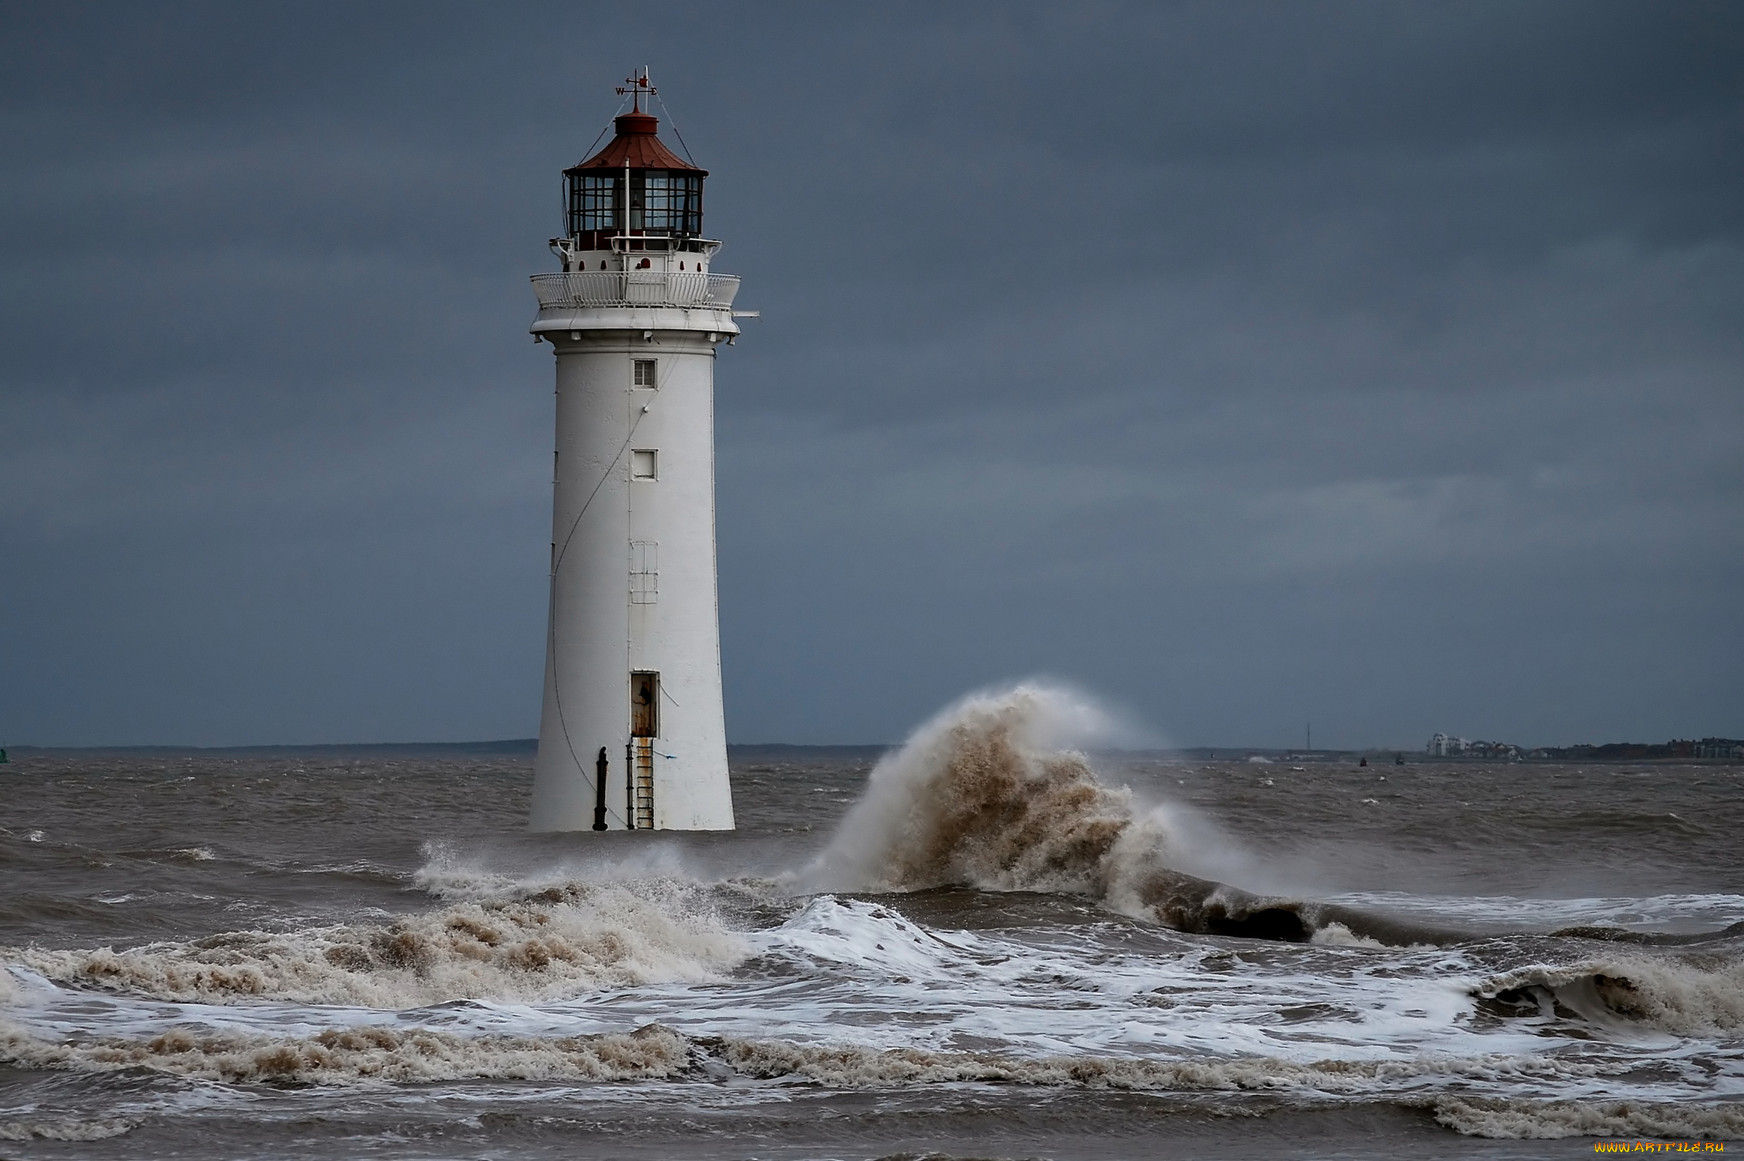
(635, 196)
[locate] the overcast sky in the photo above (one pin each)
(1379, 365)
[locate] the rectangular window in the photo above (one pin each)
(644, 464)
(644, 373)
(687, 204)
(663, 202)
(593, 202)
(657, 203)
(644, 572)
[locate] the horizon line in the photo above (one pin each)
(530, 745)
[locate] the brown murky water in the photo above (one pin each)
(1006, 950)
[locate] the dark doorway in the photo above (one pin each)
(644, 704)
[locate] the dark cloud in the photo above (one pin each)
(1372, 363)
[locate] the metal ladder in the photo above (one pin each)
(642, 784)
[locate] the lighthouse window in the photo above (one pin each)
(671, 203)
(644, 373)
(593, 202)
(645, 464)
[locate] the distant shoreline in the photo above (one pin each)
(786, 751)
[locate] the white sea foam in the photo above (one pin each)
(448, 875)
(456, 875)
(34, 1128)
(1657, 992)
(852, 1066)
(1548, 1120)
(373, 1052)
(1102, 990)
(555, 943)
(871, 939)
(348, 1055)
(1338, 935)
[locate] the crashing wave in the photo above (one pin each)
(1550, 1120)
(982, 796)
(655, 1052)
(349, 1055)
(553, 944)
(416, 1055)
(1663, 994)
(988, 795)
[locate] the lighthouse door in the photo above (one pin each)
(644, 705)
(644, 728)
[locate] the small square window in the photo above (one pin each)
(644, 373)
(644, 464)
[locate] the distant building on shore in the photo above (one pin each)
(1448, 746)
(1725, 749)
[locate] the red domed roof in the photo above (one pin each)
(636, 146)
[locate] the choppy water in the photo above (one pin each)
(992, 947)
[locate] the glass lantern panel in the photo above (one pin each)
(593, 202)
(671, 203)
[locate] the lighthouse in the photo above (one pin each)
(632, 733)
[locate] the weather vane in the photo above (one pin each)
(635, 86)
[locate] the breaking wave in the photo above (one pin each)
(348, 1055)
(989, 795)
(983, 796)
(404, 1055)
(1668, 995)
(1549, 1120)
(558, 942)
(345, 1056)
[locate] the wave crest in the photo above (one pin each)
(348, 1055)
(983, 796)
(1667, 995)
(1550, 1120)
(655, 1052)
(559, 942)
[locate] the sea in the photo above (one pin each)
(1004, 938)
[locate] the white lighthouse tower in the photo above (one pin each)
(632, 733)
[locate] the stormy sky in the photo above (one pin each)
(1379, 365)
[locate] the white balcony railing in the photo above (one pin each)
(581, 290)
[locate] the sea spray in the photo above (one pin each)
(983, 795)
(988, 795)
